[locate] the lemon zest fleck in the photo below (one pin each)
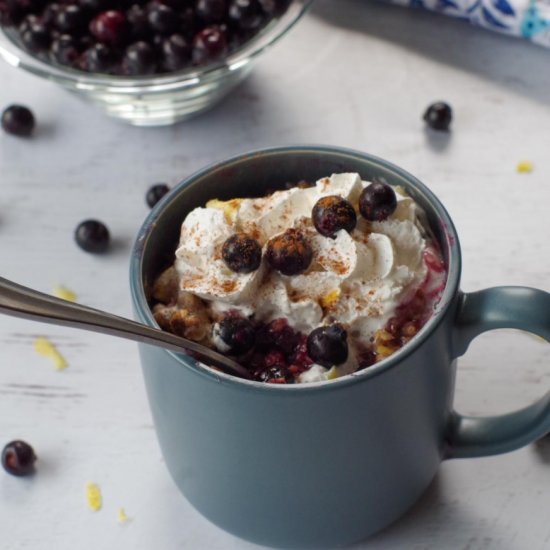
(121, 516)
(44, 347)
(64, 293)
(93, 496)
(332, 373)
(229, 208)
(524, 167)
(330, 299)
(400, 190)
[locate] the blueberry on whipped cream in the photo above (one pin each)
(242, 253)
(299, 287)
(377, 201)
(289, 252)
(333, 213)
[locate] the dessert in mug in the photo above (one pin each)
(305, 284)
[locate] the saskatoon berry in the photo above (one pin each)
(18, 458)
(64, 50)
(289, 252)
(110, 27)
(163, 19)
(71, 19)
(278, 334)
(247, 14)
(176, 53)
(12, 13)
(377, 201)
(18, 120)
(27, 22)
(242, 253)
(333, 213)
(211, 11)
(5, 18)
(92, 236)
(155, 193)
(209, 45)
(237, 333)
(138, 23)
(328, 346)
(274, 7)
(188, 22)
(36, 37)
(94, 5)
(438, 116)
(139, 58)
(49, 14)
(99, 58)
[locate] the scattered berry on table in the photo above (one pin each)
(377, 201)
(438, 116)
(92, 236)
(18, 120)
(18, 458)
(237, 333)
(289, 252)
(328, 346)
(242, 253)
(333, 213)
(155, 193)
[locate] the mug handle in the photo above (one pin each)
(521, 308)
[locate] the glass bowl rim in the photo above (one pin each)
(269, 35)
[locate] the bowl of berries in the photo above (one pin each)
(147, 62)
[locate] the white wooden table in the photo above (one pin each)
(354, 74)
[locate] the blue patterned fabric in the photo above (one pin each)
(527, 18)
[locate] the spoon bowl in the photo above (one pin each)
(24, 302)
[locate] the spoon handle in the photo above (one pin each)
(20, 301)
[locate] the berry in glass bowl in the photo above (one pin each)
(149, 63)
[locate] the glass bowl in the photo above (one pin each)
(157, 100)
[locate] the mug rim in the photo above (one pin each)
(144, 313)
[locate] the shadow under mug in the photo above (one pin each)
(329, 463)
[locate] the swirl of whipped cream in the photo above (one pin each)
(357, 278)
(199, 260)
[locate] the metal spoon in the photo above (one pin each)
(20, 301)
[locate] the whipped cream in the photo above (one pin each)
(358, 279)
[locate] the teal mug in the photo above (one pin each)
(328, 463)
